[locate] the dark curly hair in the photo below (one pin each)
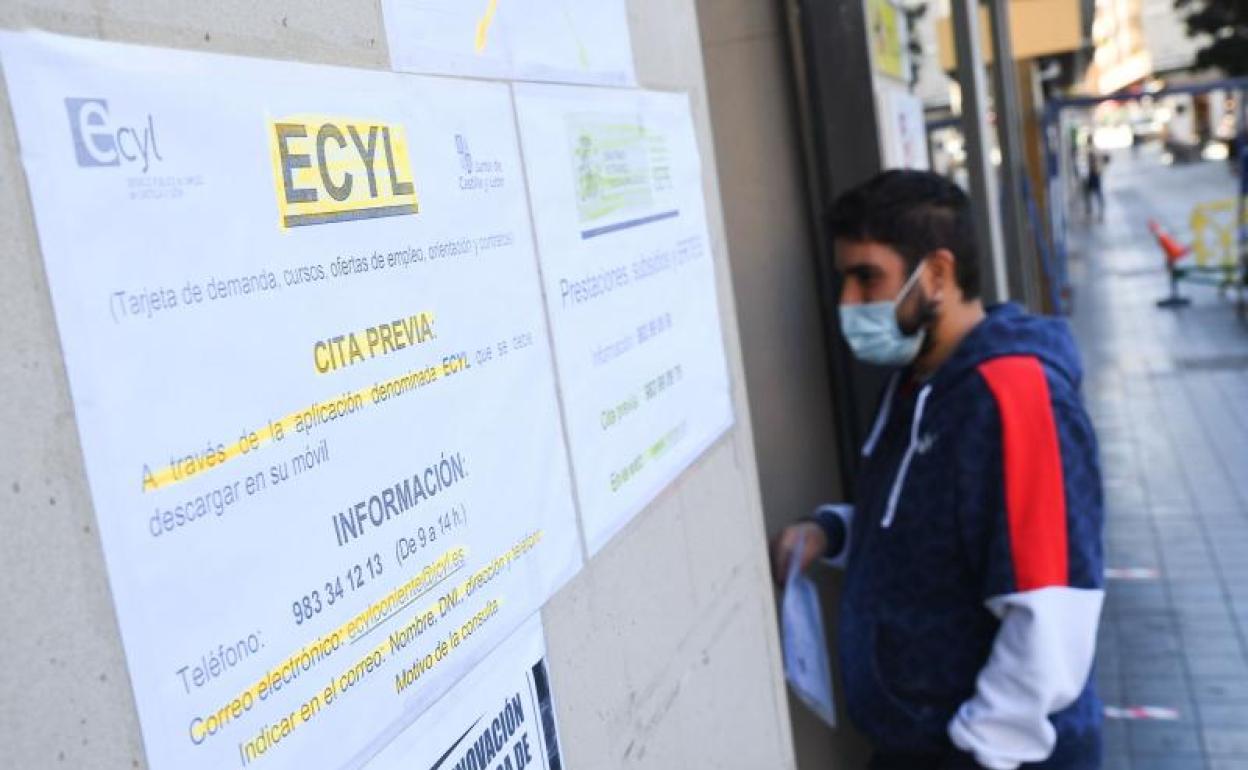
(915, 213)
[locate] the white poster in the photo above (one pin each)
(301, 318)
(616, 187)
(552, 40)
(903, 127)
(500, 716)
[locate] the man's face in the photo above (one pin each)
(870, 271)
(875, 272)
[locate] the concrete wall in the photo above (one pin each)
(764, 192)
(663, 650)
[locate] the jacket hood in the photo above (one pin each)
(1008, 330)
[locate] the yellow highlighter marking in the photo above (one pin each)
(309, 657)
(483, 26)
(304, 420)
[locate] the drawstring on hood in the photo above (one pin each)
(881, 419)
(895, 494)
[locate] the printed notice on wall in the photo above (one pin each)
(616, 186)
(500, 716)
(903, 130)
(567, 41)
(301, 317)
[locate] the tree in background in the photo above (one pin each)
(1225, 23)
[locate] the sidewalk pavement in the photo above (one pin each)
(1168, 392)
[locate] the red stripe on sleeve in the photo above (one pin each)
(1035, 495)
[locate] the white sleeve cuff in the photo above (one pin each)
(1040, 663)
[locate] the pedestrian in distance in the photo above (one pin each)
(973, 557)
(1092, 191)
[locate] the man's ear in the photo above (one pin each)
(942, 275)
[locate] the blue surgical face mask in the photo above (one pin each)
(872, 331)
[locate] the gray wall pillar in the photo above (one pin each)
(983, 178)
(1020, 252)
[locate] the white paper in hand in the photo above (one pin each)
(805, 647)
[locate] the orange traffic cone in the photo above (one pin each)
(1174, 252)
(1173, 249)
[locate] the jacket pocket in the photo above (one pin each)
(888, 649)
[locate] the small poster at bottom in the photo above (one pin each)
(500, 716)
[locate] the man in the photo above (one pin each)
(974, 573)
(1092, 191)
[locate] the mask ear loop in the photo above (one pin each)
(909, 284)
(905, 289)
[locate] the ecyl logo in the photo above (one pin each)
(337, 170)
(98, 142)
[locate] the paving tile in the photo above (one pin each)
(1161, 666)
(1216, 646)
(1163, 739)
(1154, 645)
(1227, 635)
(1209, 701)
(1221, 688)
(1180, 593)
(1134, 605)
(1155, 690)
(1210, 615)
(1216, 665)
(1224, 715)
(1202, 602)
(1226, 741)
(1186, 761)
(1205, 572)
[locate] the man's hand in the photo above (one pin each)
(784, 545)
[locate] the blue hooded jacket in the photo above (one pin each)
(982, 482)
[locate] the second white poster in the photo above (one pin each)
(615, 183)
